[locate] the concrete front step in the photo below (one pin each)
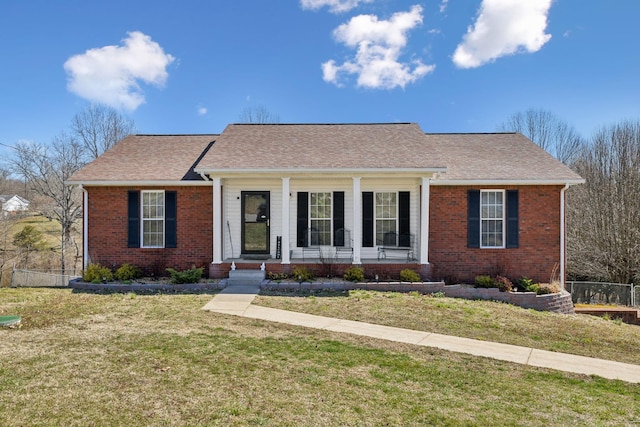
(245, 277)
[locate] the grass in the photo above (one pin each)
(126, 359)
(484, 320)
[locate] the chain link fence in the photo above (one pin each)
(41, 279)
(603, 293)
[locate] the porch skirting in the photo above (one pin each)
(386, 270)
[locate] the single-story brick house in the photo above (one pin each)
(383, 196)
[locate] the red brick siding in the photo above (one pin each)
(107, 234)
(539, 246)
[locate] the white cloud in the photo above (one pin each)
(443, 6)
(202, 111)
(335, 6)
(379, 45)
(503, 27)
(111, 74)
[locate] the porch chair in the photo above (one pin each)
(398, 243)
(311, 246)
(343, 244)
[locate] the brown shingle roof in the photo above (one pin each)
(321, 146)
(498, 156)
(302, 147)
(147, 158)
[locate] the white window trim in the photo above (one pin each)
(504, 218)
(142, 219)
(375, 214)
(321, 219)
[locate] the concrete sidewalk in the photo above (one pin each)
(236, 300)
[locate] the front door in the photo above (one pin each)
(255, 222)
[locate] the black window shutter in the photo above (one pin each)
(303, 217)
(338, 218)
(404, 219)
(170, 217)
(133, 239)
(473, 219)
(367, 219)
(512, 219)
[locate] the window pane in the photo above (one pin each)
(152, 218)
(320, 218)
(492, 216)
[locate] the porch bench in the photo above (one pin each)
(311, 247)
(394, 243)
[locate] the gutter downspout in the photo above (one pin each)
(563, 242)
(85, 228)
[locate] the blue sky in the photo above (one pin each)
(194, 66)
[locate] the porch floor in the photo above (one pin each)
(398, 260)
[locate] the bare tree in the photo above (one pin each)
(603, 219)
(7, 250)
(98, 127)
(46, 168)
(258, 114)
(548, 131)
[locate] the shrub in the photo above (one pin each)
(547, 288)
(527, 285)
(96, 273)
(272, 275)
(128, 272)
(504, 284)
(191, 275)
(302, 274)
(484, 281)
(354, 274)
(408, 275)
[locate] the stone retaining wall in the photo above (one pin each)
(557, 303)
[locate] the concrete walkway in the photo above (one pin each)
(236, 300)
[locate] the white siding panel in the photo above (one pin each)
(232, 206)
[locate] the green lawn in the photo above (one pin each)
(123, 359)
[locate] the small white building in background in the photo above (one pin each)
(13, 204)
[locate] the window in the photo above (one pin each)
(386, 218)
(320, 218)
(492, 223)
(153, 204)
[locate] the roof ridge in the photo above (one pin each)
(471, 133)
(325, 124)
(176, 134)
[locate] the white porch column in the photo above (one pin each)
(217, 221)
(424, 221)
(286, 227)
(357, 220)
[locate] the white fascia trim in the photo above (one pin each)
(502, 182)
(324, 171)
(140, 183)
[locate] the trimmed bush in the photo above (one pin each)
(547, 288)
(504, 284)
(354, 274)
(192, 275)
(272, 275)
(302, 274)
(96, 273)
(128, 272)
(408, 275)
(483, 281)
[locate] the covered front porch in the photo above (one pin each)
(324, 221)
